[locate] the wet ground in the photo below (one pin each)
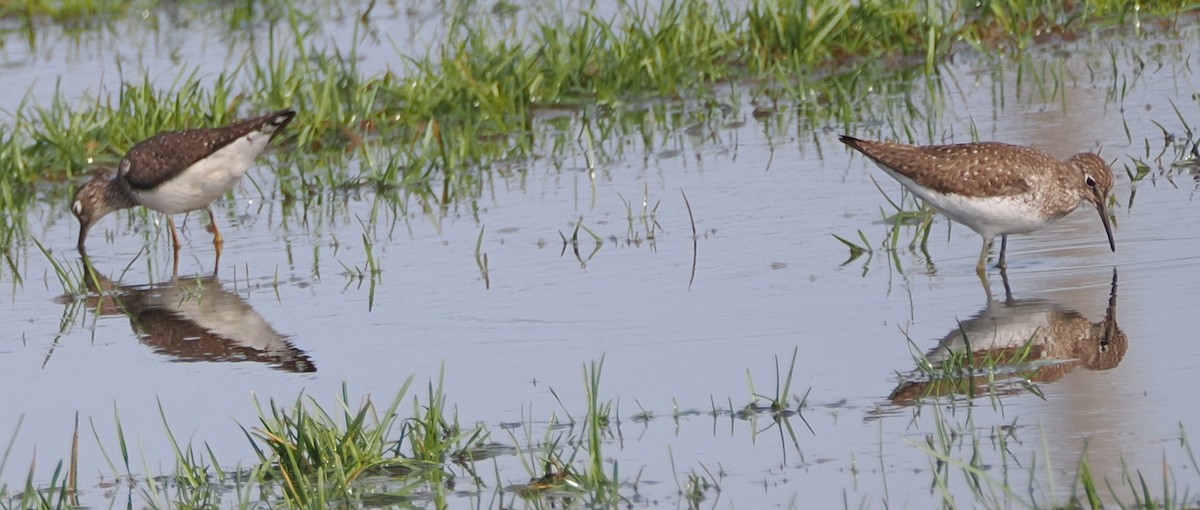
(679, 324)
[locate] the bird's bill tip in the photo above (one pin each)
(1112, 243)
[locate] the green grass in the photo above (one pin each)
(312, 455)
(472, 101)
(65, 11)
(352, 453)
(978, 460)
(437, 124)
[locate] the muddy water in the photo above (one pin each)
(679, 324)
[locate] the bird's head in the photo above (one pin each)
(92, 203)
(1098, 183)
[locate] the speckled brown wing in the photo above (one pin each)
(163, 156)
(974, 170)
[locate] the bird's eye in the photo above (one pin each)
(1090, 181)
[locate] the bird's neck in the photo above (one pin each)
(117, 194)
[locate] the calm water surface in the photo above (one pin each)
(285, 315)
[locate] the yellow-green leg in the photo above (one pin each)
(979, 267)
(174, 244)
(218, 241)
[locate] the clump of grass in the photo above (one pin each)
(1019, 24)
(856, 250)
(906, 214)
(779, 407)
(549, 476)
(316, 457)
(827, 33)
(780, 402)
(595, 422)
(61, 491)
(66, 11)
(574, 243)
(647, 223)
(434, 436)
(696, 486)
(554, 472)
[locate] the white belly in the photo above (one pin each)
(989, 216)
(206, 180)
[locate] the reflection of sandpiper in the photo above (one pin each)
(1030, 340)
(196, 319)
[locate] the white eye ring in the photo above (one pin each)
(1089, 180)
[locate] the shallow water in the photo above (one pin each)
(767, 278)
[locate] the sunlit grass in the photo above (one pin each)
(437, 125)
(473, 99)
(315, 453)
(64, 11)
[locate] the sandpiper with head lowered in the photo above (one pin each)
(996, 189)
(178, 172)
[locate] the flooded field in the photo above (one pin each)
(694, 259)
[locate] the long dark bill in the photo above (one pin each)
(83, 232)
(1107, 226)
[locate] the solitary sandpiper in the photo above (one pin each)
(178, 172)
(995, 188)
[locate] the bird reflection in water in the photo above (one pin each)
(1033, 340)
(195, 319)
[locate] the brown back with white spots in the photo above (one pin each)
(971, 169)
(161, 157)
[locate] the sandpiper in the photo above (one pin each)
(178, 172)
(995, 188)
